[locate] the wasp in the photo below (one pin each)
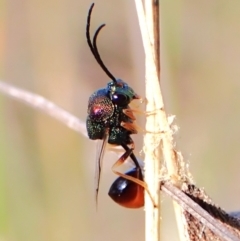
(111, 120)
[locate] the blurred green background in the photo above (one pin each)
(47, 170)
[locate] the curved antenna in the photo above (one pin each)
(98, 55)
(93, 46)
(88, 30)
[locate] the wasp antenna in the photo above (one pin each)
(97, 55)
(93, 46)
(88, 30)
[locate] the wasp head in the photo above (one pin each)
(121, 93)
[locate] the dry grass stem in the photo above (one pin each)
(157, 146)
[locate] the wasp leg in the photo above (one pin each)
(132, 127)
(121, 160)
(129, 112)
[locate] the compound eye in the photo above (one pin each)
(120, 99)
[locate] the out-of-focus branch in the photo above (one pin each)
(39, 102)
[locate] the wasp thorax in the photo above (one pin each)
(100, 107)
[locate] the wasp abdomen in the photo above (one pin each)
(127, 193)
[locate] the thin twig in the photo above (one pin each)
(39, 102)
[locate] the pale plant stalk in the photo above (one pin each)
(159, 133)
(151, 143)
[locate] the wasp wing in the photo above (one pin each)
(101, 146)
